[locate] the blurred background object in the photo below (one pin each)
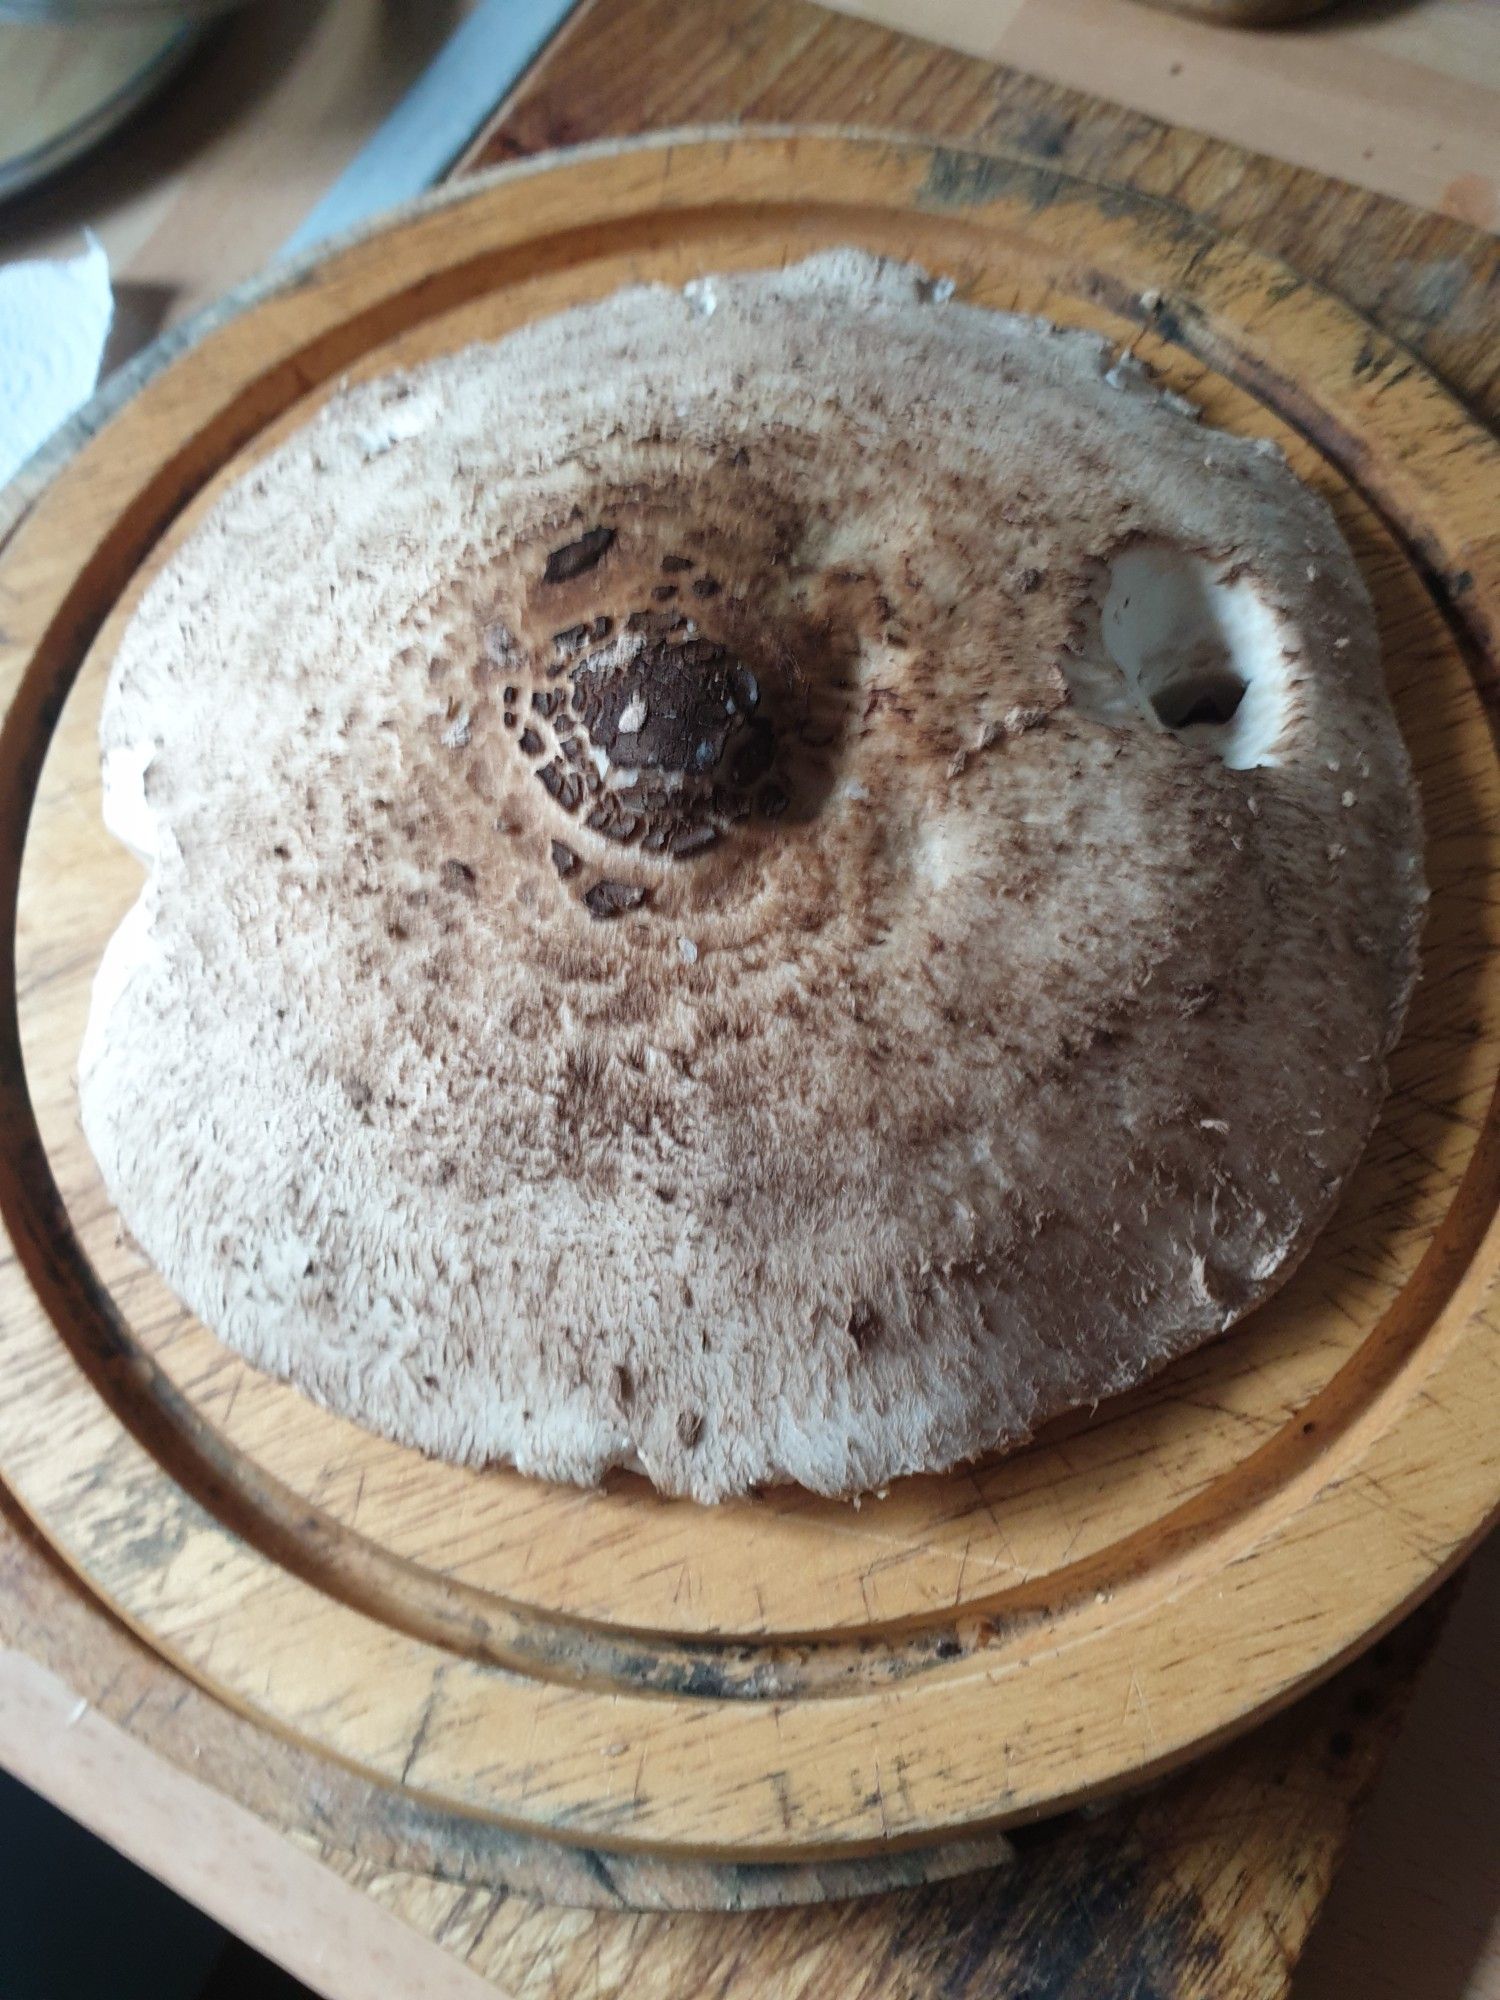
(93, 12)
(1246, 13)
(65, 87)
(73, 70)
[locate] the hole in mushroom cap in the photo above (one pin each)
(1207, 689)
(1193, 648)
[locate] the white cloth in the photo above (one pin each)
(54, 320)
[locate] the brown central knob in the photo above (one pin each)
(658, 742)
(687, 711)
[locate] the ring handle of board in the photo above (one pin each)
(784, 1677)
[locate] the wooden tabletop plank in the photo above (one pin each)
(1404, 101)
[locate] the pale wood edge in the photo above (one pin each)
(211, 1850)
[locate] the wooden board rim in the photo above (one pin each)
(866, 1815)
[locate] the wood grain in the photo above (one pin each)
(934, 1664)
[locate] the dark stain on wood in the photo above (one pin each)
(960, 180)
(1106, 1928)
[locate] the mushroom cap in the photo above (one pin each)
(772, 882)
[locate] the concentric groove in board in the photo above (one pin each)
(1027, 1711)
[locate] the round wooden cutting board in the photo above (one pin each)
(783, 1677)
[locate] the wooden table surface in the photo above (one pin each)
(1402, 99)
(202, 192)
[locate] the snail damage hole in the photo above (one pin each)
(1194, 649)
(1206, 690)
